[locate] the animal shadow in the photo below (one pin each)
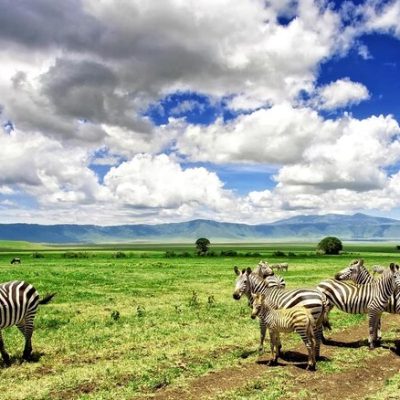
(352, 345)
(394, 349)
(34, 358)
(298, 360)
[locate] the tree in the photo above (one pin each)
(330, 245)
(202, 245)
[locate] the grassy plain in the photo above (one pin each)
(123, 328)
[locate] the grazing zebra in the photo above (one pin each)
(15, 260)
(283, 266)
(18, 304)
(378, 269)
(264, 271)
(370, 298)
(296, 319)
(248, 282)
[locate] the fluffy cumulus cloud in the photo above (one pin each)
(77, 143)
(340, 93)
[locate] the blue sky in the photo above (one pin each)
(245, 111)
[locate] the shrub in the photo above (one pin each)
(278, 253)
(330, 245)
(37, 255)
(229, 253)
(119, 254)
(169, 254)
(75, 254)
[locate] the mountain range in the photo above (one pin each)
(305, 227)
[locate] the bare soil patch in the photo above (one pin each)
(359, 382)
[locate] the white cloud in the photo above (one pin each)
(277, 135)
(382, 17)
(341, 93)
(158, 182)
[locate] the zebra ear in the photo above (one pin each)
(236, 269)
(248, 270)
(361, 262)
(393, 267)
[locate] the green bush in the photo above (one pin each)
(229, 253)
(278, 253)
(37, 255)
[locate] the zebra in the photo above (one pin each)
(248, 282)
(264, 271)
(371, 298)
(378, 269)
(16, 260)
(283, 266)
(297, 319)
(357, 273)
(18, 304)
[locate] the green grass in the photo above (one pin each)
(124, 328)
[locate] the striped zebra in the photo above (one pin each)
(265, 272)
(18, 304)
(248, 282)
(296, 319)
(370, 298)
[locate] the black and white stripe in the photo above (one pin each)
(371, 298)
(248, 282)
(296, 319)
(18, 304)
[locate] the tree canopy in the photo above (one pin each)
(202, 245)
(330, 245)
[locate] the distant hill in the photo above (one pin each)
(305, 227)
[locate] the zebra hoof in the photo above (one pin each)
(311, 368)
(273, 363)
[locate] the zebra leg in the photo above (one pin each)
(373, 322)
(263, 330)
(274, 348)
(319, 337)
(4, 354)
(27, 331)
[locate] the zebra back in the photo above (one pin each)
(357, 299)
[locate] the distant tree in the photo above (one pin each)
(398, 247)
(202, 245)
(330, 245)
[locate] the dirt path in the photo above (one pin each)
(368, 377)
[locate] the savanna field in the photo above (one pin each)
(131, 323)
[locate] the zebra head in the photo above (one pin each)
(351, 272)
(242, 284)
(263, 270)
(258, 299)
(394, 268)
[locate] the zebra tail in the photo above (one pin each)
(46, 299)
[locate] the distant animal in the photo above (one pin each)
(378, 269)
(18, 304)
(265, 272)
(15, 260)
(296, 319)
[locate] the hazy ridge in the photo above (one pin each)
(347, 227)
